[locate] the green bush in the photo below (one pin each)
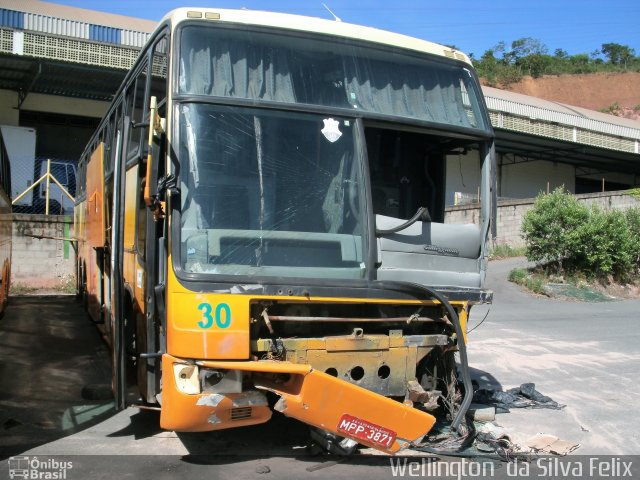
(564, 234)
(605, 245)
(550, 228)
(633, 221)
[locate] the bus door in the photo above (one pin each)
(141, 232)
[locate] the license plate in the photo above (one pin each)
(367, 431)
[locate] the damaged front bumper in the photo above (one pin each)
(309, 395)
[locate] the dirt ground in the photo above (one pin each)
(620, 291)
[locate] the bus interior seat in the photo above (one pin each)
(430, 253)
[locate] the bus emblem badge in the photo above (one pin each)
(331, 131)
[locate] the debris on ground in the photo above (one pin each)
(479, 412)
(524, 396)
(545, 443)
(332, 443)
(482, 437)
(416, 393)
(491, 437)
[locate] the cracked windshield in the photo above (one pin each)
(270, 193)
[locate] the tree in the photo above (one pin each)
(536, 64)
(523, 47)
(560, 53)
(500, 48)
(580, 63)
(618, 54)
(487, 66)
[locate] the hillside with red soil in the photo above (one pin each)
(596, 91)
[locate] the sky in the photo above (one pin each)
(473, 26)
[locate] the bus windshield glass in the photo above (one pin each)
(270, 193)
(292, 68)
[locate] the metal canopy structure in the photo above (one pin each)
(532, 129)
(517, 147)
(27, 75)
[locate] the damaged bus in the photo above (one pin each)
(261, 227)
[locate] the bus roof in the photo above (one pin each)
(315, 25)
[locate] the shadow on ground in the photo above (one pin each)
(49, 351)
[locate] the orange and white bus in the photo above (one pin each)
(260, 218)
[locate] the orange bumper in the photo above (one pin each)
(205, 412)
(308, 395)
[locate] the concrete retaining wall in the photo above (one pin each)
(511, 212)
(42, 263)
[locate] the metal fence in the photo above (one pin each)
(43, 186)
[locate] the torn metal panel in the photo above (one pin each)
(210, 400)
(250, 399)
(221, 381)
(213, 419)
(281, 405)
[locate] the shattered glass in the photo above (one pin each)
(266, 192)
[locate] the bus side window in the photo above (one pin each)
(158, 88)
(111, 140)
(159, 75)
(135, 101)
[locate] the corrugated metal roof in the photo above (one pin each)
(539, 109)
(99, 33)
(134, 39)
(11, 18)
(80, 14)
(56, 26)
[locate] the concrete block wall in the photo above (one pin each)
(511, 212)
(42, 263)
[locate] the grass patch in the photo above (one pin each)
(69, 286)
(544, 281)
(503, 250)
(21, 289)
(66, 286)
(530, 280)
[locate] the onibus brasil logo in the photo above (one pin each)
(40, 469)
